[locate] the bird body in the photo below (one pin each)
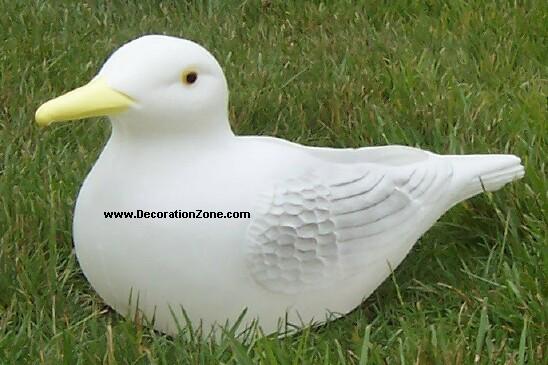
(326, 225)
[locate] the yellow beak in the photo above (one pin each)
(91, 100)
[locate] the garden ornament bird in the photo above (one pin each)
(326, 225)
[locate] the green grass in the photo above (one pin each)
(452, 78)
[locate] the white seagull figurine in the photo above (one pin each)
(326, 225)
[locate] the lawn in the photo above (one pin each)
(461, 77)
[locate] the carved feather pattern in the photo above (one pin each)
(308, 226)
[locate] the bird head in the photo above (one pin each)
(155, 83)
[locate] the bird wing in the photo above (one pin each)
(324, 225)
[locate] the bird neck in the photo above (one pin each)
(130, 129)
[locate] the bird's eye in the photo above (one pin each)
(190, 77)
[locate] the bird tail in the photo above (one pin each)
(479, 173)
